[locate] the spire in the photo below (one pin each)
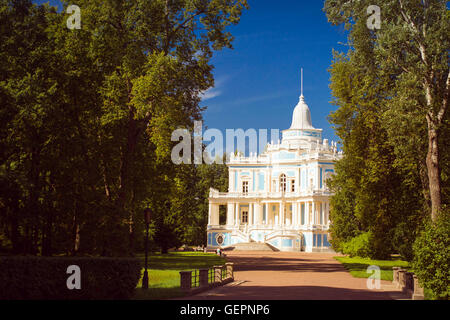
(301, 92)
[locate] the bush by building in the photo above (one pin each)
(357, 246)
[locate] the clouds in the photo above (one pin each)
(215, 91)
(210, 94)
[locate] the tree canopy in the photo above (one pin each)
(87, 116)
(392, 90)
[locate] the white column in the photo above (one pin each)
(281, 214)
(307, 220)
(300, 213)
(257, 213)
(239, 185)
(267, 213)
(216, 220)
(294, 213)
(250, 214)
(230, 213)
(321, 212)
(236, 213)
(231, 179)
(209, 213)
(314, 213)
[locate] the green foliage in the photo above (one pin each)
(33, 278)
(87, 117)
(383, 117)
(358, 246)
(403, 238)
(432, 256)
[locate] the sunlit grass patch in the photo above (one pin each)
(164, 272)
(358, 266)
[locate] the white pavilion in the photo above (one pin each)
(279, 197)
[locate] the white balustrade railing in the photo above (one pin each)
(223, 195)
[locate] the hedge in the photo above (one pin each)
(29, 278)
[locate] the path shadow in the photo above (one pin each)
(292, 293)
(245, 263)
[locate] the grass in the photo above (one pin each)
(164, 276)
(357, 266)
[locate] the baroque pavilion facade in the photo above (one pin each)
(279, 197)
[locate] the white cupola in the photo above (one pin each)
(301, 118)
(301, 133)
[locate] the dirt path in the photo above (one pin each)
(294, 276)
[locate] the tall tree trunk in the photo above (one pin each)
(434, 122)
(434, 174)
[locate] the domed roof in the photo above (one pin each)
(301, 118)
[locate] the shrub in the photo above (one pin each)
(29, 278)
(403, 239)
(432, 256)
(357, 246)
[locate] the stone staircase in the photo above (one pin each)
(251, 246)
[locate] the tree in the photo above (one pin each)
(87, 116)
(210, 176)
(412, 44)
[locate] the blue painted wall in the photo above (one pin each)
(286, 243)
(321, 178)
(254, 181)
(325, 241)
(261, 181)
(212, 238)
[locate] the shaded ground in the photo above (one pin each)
(294, 276)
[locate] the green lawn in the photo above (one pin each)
(358, 266)
(164, 276)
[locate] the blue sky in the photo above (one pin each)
(258, 82)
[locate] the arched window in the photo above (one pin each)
(283, 183)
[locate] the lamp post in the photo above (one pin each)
(147, 217)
